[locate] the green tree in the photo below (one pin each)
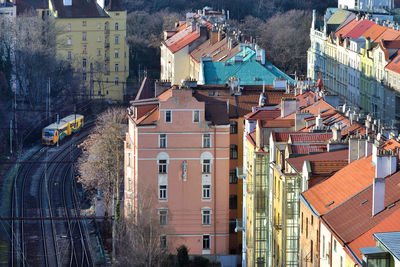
(183, 256)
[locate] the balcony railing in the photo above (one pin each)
(239, 226)
(106, 45)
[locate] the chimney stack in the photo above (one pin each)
(336, 133)
(385, 165)
(289, 105)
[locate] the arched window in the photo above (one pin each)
(116, 26)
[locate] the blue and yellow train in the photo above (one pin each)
(58, 131)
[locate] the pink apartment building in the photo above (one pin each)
(179, 148)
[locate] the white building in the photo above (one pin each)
(366, 4)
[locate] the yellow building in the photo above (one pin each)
(93, 37)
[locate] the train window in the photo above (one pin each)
(48, 134)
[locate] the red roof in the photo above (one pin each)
(336, 156)
(309, 137)
(260, 114)
(361, 27)
(175, 47)
(394, 65)
(353, 220)
(389, 34)
(347, 28)
(374, 32)
(280, 136)
(307, 149)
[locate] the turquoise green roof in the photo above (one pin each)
(249, 71)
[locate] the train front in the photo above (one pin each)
(48, 136)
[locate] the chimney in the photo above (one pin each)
(318, 121)
(289, 105)
(336, 133)
(203, 31)
(367, 43)
(220, 35)
(214, 36)
(300, 120)
(368, 147)
(386, 164)
(314, 18)
(361, 148)
(353, 149)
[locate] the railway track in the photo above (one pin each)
(34, 195)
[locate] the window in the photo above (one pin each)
(323, 246)
(129, 184)
(232, 226)
(168, 116)
(84, 49)
(206, 191)
(84, 23)
(334, 245)
(163, 241)
(311, 251)
(163, 192)
(301, 223)
(163, 216)
(196, 116)
(306, 227)
(116, 26)
(163, 140)
(162, 166)
(312, 219)
(206, 166)
(83, 36)
(69, 41)
(116, 68)
(116, 53)
(84, 76)
(69, 27)
(233, 152)
(98, 38)
(69, 56)
(98, 26)
(206, 241)
(84, 63)
(129, 207)
(116, 81)
(206, 214)
(232, 177)
(233, 127)
(116, 40)
(232, 202)
(206, 140)
(98, 52)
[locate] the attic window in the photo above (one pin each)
(211, 93)
(397, 61)
(364, 201)
(116, 14)
(331, 203)
(391, 205)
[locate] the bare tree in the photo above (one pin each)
(101, 164)
(139, 239)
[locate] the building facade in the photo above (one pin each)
(183, 158)
(92, 36)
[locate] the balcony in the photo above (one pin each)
(239, 226)
(106, 58)
(106, 45)
(106, 31)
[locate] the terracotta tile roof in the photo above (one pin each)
(361, 27)
(79, 9)
(218, 51)
(307, 149)
(341, 186)
(268, 114)
(280, 136)
(328, 157)
(389, 34)
(278, 123)
(188, 39)
(388, 224)
(143, 110)
(344, 184)
(394, 65)
(149, 118)
(374, 32)
(327, 167)
(346, 28)
(309, 137)
(353, 223)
